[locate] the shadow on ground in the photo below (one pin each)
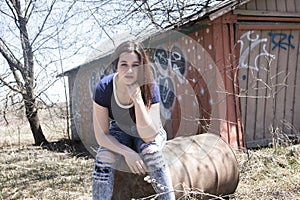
(76, 148)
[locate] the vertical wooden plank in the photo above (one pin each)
(219, 58)
(271, 82)
(216, 44)
(291, 76)
(281, 5)
(222, 64)
(197, 82)
(263, 65)
(204, 95)
(251, 77)
(256, 99)
(204, 37)
(234, 64)
(268, 111)
(271, 5)
(252, 85)
(230, 100)
(175, 120)
(296, 106)
(190, 77)
(290, 6)
(244, 50)
(280, 78)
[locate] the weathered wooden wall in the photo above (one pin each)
(184, 68)
(268, 42)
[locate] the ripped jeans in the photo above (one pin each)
(106, 163)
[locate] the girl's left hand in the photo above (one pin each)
(135, 162)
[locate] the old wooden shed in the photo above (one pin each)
(233, 70)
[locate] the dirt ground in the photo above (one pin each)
(64, 172)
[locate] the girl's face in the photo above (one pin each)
(127, 68)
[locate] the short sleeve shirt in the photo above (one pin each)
(105, 96)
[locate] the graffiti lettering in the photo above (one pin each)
(178, 62)
(161, 58)
(166, 87)
(283, 42)
(245, 52)
(165, 60)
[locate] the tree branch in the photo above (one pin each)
(9, 85)
(9, 56)
(44, 22)
(27, 12)
(13, 12)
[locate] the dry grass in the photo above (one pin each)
(30, 172)
(266, 175)
(34, 173)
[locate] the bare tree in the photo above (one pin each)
(29, 31)
(23, 69)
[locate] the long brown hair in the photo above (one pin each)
(145, 76)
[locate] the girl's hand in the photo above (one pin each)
(135, 163)
(134, 91)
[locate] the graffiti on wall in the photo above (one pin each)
(278, 40)
(245, 50)
(281, 40)
(178, 61)
(175, 60)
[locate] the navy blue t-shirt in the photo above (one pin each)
(104, 96)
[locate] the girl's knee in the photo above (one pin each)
(152, 156)
(105, 157)
(151, 147)
(103, 170)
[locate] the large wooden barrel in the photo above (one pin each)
(203, 163)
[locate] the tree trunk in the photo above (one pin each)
(33, 119)
(28, 74)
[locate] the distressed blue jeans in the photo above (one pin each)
(106, 163)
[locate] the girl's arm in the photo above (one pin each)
(147, 119)
(101, 130)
